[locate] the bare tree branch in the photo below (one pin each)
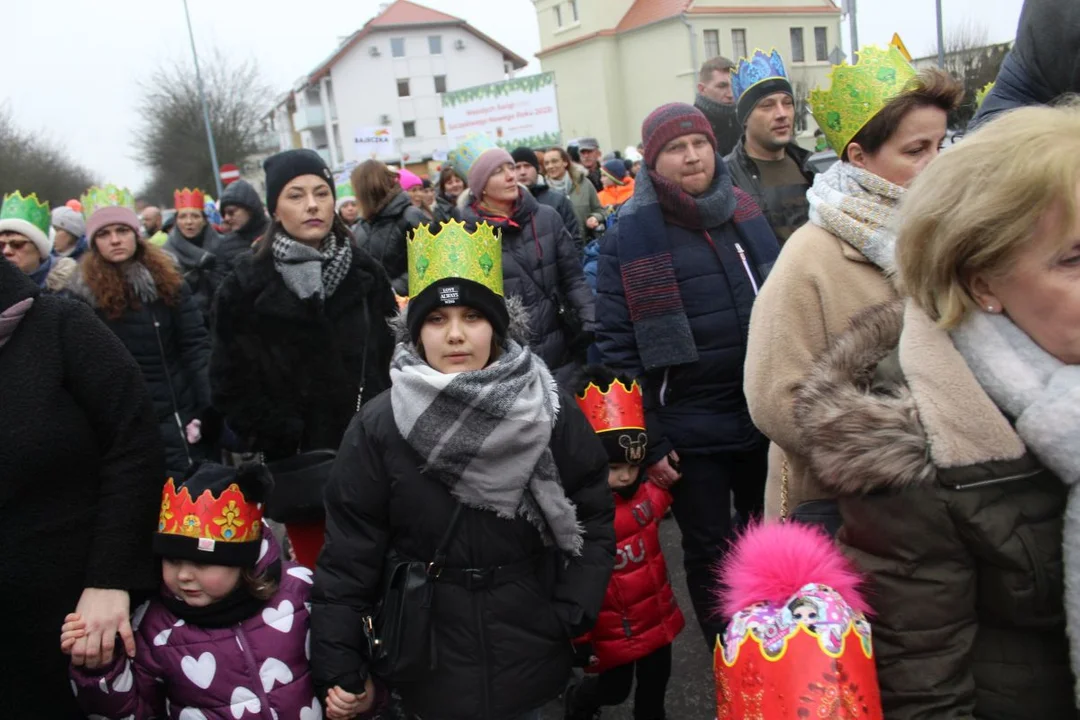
(32, 162)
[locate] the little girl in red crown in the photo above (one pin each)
(639, 619)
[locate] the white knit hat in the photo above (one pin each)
(64, 218)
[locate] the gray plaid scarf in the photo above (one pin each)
(307, 271)
(486, 435)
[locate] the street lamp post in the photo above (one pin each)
(205, 107)
(852, 19)
(940, 38)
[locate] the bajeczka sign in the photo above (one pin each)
(376, 141)
(514, 112)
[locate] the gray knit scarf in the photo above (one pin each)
(565, 184)
(858, 207)
(308, 272)
(1042, 395)
(486, 434)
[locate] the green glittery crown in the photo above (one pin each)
(106, 196)
(345, 190)
(858, 92)
(453, 252)
(28, 209)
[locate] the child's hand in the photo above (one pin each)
(74, 627)
(341, 705)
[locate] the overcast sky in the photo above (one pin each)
(79, 63)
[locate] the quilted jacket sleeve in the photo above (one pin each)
(572, 277)
(130, 689)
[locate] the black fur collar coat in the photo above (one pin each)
(285, 372)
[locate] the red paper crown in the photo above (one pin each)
(620, 408)
(229, 518)
(189, 199)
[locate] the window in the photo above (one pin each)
(434, 44)
(410, 128)
(573, 10)
(397, 47)
(558, 16)
(440, 83)
(797, 54)
(712, 43)
(738, 44)
(821, 44)
(403, 88)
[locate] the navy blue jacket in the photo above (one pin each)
(697, 408)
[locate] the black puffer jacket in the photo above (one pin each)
(240, 241)
(384, 237)
(81, 469)
(543, 268)
(285, 372)
(200, 263)
(177, 367)
(562, 205)
(503, 650)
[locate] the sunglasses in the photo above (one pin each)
(15, 245)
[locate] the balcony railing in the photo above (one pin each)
(309, 117)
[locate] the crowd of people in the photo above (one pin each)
(408, 441)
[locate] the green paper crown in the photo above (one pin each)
(106, 196)
(858, 92)
(345, 190)
(28, 209)
(453, 252)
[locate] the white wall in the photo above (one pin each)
(365, 87)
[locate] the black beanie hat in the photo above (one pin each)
(524, 154)
(756, 93)
(457, 291)
(283, 167)
(175, 540)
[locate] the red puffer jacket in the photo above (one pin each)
(639, 615)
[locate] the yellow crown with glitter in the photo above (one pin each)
(454, 252)
(859, 92)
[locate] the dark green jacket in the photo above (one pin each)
(957, 527)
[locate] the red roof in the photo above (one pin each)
(403, 13)
(646, 12)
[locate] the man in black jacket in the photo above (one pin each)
(527, 169)
(768, 164)
(244, 215)
(717, 101)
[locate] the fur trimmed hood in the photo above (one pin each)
(892, 404)
(518, 329)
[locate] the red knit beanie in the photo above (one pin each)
(668, 122)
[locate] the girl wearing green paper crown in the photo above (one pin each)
(475, 466)
(839, 263)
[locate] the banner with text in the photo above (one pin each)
(514, 112)
(375, 142)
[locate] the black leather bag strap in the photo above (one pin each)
(435, 567)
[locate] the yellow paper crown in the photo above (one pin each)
(858, 92)
(453, 252)
(980, 95)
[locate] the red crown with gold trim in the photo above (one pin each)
(228, 518)
(189, 199)
(620, 408)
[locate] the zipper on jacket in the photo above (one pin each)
(664, 387)
(264, 697)
(746, 266)
(994, 481)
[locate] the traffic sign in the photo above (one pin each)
(229, 174)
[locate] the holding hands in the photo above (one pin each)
(89, 634)
(341, 705)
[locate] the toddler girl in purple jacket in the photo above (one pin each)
(227, 638)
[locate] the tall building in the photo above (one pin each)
(391, 72)
(617, 60)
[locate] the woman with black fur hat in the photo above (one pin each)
(475, 453)
(299, 330)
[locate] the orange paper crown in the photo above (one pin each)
(620, 408)
(189, 199)
(229, 518)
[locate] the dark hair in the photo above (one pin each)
(338, 227)
(446, 173)
(574, 152)
(711, 65)
(373, 184)
(260, 585)
(930, 88)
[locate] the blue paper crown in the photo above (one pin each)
(750, 71)
(464, 155)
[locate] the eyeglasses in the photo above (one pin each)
(15, 245)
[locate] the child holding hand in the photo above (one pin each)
(227, 638)
(640, 618)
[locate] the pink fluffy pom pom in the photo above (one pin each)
(771, 561)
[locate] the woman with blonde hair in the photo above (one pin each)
(387, 216)
(838, 263)
(947, 426)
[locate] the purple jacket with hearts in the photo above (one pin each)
(256, 670)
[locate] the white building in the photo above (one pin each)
(390, 72)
